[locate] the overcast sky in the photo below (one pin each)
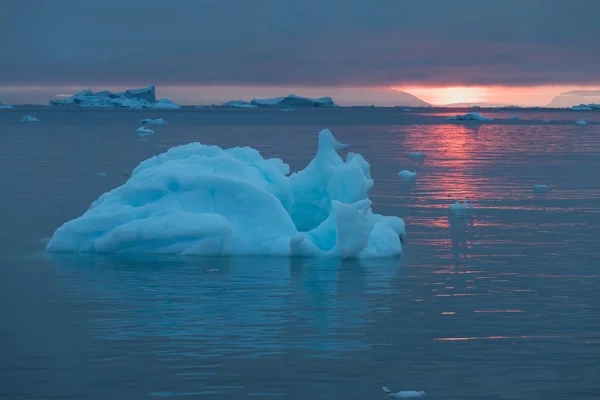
(307, 43)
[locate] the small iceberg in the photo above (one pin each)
(143, 131)
(29, 118)
(288, 109)
(238, 104)
(416, 157)
(207, 201)
(581, 107)
(158, 121)
(5, 106)
(541, 189)
(546, 121)
(514, 117)
(474, 116)
(581, 122)
(405, 394)
(407, 175)
(407, 110)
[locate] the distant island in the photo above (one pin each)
(575, 98)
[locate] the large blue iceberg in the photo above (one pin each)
(132, 98)
(204, 200)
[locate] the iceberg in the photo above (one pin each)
(463, 210)
(514, 117)
(132, 98)
(581, 122)
(581, 107)
(238, 104)
(143, 131)
(541, 188)
(293, 100)
(407, 175)
(289, 109)
(206, 201)
(29, 118)
(474, 116)
(5, 106)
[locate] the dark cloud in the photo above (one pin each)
(308, 42)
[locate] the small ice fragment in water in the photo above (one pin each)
(406, 174)
(101, 173)
(405, 394)
(541, 188)
(514, 117)
(29, 118)
(581, 122)
(288, 109)
(416, 156)
(142, 130)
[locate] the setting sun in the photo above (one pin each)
(448, 95)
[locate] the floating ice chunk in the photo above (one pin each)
(541, 189)
(143, 131)
(204, 200)
(288, 109)
(458, 209)
(581, 107)
(546, 121)
(416, 156)
(293, 100)
(514, 117)
(407, 175)
(405, 394)
(101, 174)
(29, 118)
(474, 116)
(581, 122)
(5, 106)
(407, 110)
(145, 121)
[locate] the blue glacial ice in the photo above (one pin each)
(474, 116)
(204, 200)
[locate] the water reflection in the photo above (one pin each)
(255, 304)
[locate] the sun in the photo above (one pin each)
(448, 95)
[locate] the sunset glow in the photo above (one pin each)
(449, 95)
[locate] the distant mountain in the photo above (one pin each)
(404, 99)
(575, 98)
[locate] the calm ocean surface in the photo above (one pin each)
(508, 308)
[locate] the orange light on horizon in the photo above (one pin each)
(449, 95)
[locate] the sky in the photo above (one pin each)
(203, 51)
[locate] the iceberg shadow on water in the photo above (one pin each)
(206, 201)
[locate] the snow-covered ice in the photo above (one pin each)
(404, 394)
(29, 118)
(581, 122)
(142, 131)
(541, 188)
(288, 109)
(406, 174)
(474, 116)
(203, 200)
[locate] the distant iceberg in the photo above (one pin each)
(157, 121)
(581, 122)
(474, 116)
(207, 201)
(238, 104)
(133, 98)
(5, 106)
(581, 107)
(293, 100)
(29, 118)
(289, 109)
(514, 117)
